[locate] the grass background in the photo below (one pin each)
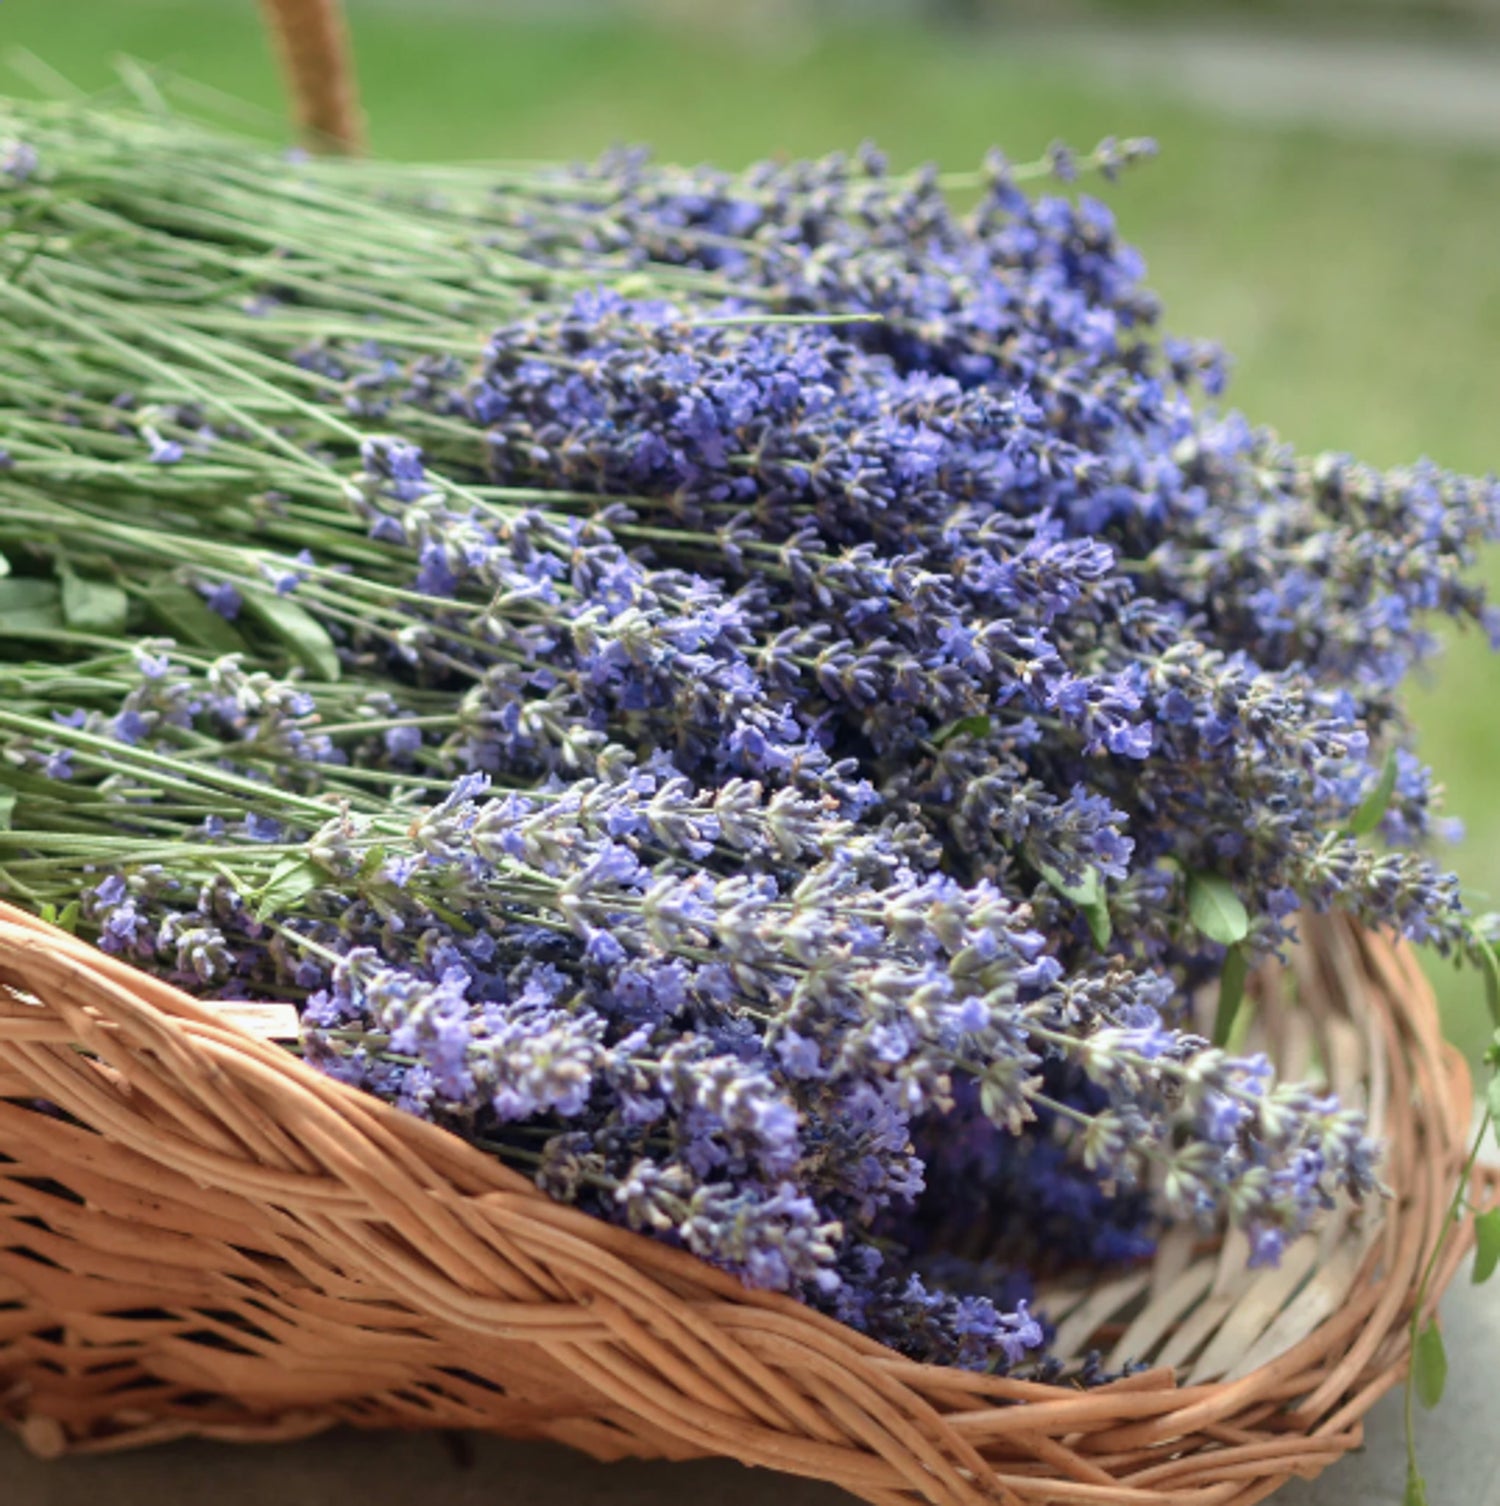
(1356, 281)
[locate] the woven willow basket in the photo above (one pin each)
(213, 1239)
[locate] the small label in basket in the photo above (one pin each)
(270, 1022)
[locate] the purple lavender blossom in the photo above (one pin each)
(223, 598)
(771, 757)
(18, 163)
(162, 451)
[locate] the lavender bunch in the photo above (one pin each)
(713, 1015)
(755, 698)
(903, 559)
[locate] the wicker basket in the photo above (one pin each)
(211, 1238)
(201, 1236)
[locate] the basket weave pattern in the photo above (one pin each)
(213, 1239)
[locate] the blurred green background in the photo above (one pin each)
(1327, 201)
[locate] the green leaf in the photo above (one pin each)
(1088, 895)
(303, 636)
(965, 726)
(1369, 811)
(1485, 926)
(1101, 927)
(68, 919)
(290, 880)
(30, 606)
(7, 808)
(1489, 965)
(1430, 1365)
(1416, 1488)
(1087, 891)
(93, 606)
(1486, 1245)
(1493, 1094)
(25, 593)
(1216, 909)
(4, 566)
(183, 612)
(1231, 991)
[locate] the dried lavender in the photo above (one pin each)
(728, 691)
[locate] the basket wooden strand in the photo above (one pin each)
(312, 41)
(200, 1235)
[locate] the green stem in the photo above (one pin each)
(1414, 1327)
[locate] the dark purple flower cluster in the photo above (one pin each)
(922, 587)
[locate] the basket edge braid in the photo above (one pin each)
(311, 39)
(217, 1240)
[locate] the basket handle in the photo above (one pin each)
(312, 41)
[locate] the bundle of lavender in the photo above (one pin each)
(756, 698)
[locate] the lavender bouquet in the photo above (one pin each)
(758, 698)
